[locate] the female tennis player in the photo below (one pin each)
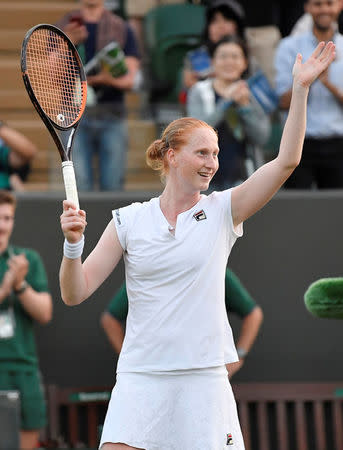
(172, 390)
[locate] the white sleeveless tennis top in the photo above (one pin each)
(175, 284)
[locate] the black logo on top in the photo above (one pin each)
(200, 215)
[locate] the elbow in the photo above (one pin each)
(296, 164)
(70, 300)
(259, 314)
(32, 151)
(256, 315)
(46, 313)
(45, 318)
(292, 165)
(288, 166)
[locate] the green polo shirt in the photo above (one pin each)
(237, 299)
(19, 352)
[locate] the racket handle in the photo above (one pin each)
(70, 182)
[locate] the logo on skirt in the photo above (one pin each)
(229, 440)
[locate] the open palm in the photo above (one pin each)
(305, 73)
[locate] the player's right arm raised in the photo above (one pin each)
(78, 281)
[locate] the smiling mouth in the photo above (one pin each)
(205, 175)
(325, 17)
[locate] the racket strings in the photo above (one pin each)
(54, 75)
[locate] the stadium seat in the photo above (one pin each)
(170, 31)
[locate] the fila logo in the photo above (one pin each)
(200, 215)
(229, 440)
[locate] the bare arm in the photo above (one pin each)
(114, 331)
(249, 330)
(259, 188)
(37, 304)
(22, 149)
(78, 281)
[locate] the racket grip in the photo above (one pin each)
(70, 182)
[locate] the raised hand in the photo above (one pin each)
(73, 222)
(305, 73)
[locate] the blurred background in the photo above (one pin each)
(294, 241)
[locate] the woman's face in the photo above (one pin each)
(229, 62)
(220, 26)
(196, 162)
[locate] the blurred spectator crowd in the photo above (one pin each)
(227, 62)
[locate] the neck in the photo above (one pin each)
(323, 35)
(221, 84)
(3, 246)
(174, 202)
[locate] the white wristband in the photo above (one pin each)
(73, 251)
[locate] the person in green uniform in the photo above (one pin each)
(24, 300)
(237, 300)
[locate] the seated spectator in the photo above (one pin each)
(226, 103)
(223, 18)
(16, 152)
(103, 131)
(322, 162)
(237, 301)
(24, 300)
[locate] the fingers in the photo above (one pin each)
(325, 53)
(73, 213)
(327, 50)
(67, 204)
(73, 221)
(18, 260)
(318, 50)
(18, 265)
(329, 53)
(70, 211)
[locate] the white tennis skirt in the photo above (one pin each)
(178, 410)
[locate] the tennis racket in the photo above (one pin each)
(56, 83)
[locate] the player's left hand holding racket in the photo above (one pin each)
(56, 83)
